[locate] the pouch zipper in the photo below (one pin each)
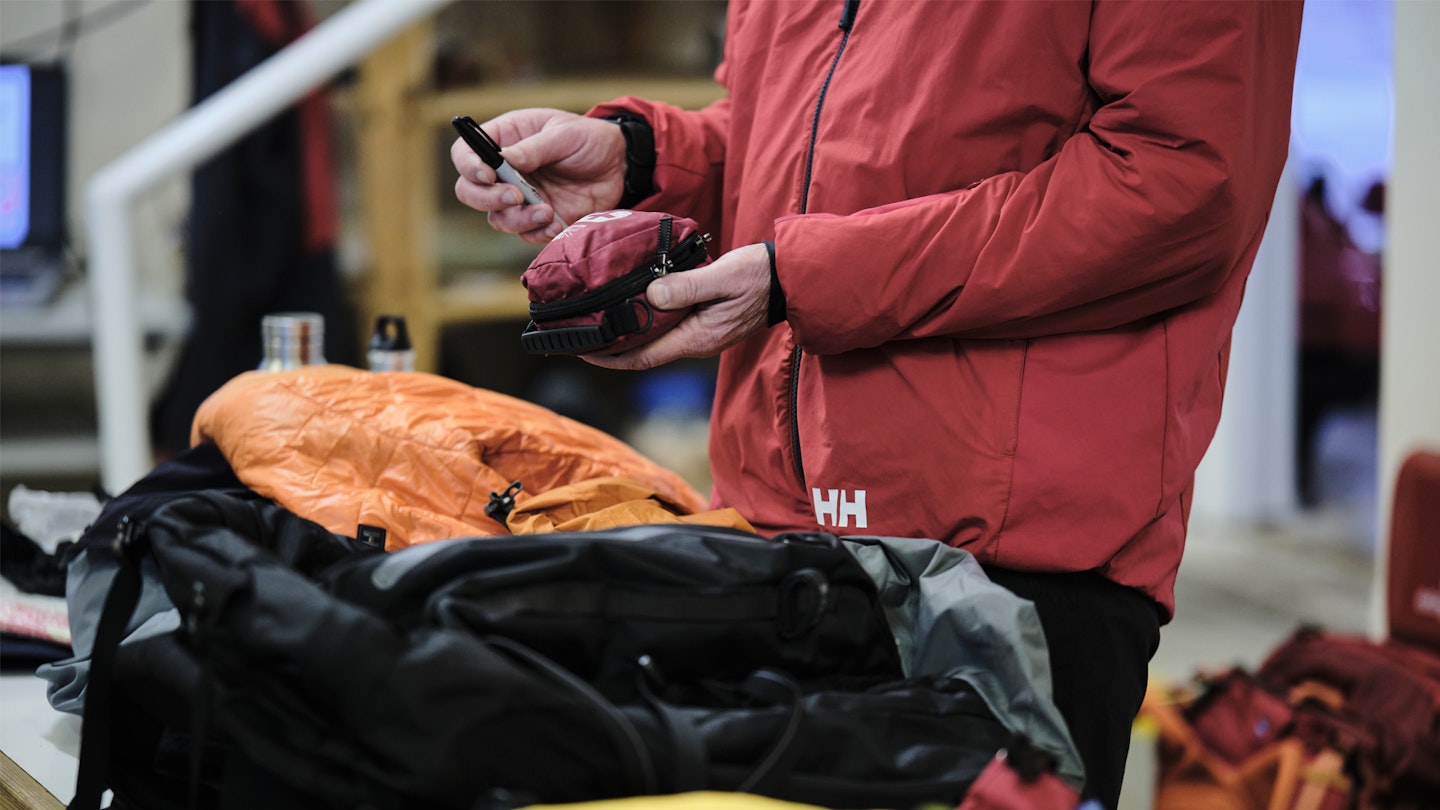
(685, 256)
(847, 23)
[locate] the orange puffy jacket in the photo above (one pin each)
(418, 456)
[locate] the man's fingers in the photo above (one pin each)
(730, 299)
(521, 157)
(534, 223)
(549, 145)
(672, 345)
(733, 275)
(680, 290)
(486, 197)
(467, 163)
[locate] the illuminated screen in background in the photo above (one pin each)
(14, 155)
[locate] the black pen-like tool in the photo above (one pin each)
(489, 151)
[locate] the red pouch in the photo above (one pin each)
(587, 287)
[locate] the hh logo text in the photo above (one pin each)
(835, 508)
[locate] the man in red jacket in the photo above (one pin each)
(980, 265)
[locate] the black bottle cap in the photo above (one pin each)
(390, 334)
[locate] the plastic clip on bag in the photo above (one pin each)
(587, 287)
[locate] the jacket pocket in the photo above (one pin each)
(914, 442)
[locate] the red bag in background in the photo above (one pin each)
(587, 287)
(1019, 778)
(1413, 590)
(1232, 746)
(1237, 718)
(1384, 709)
(1328, 720)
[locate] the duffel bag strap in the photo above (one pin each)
(628, 742)
(688, 770)
(772, 686)
(92, 778)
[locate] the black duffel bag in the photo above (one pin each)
(501, 671)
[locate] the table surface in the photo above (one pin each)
(43, 742)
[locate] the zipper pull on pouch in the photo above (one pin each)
(662, 249)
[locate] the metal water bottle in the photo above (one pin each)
(390, 348)
(292, 339)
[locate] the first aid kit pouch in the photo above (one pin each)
(587, 287)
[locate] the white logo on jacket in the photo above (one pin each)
(837, 506)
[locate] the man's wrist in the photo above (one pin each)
(639, 157)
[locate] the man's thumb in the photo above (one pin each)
(659, 293)
(518, 156)
(674, 291)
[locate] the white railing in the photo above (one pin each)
(204, 130)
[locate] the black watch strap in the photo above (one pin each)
(639, 158)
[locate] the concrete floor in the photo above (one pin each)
(1241, 590)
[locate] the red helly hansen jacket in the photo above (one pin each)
(1013, 238)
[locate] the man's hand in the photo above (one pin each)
(730, 296)
(577, 164)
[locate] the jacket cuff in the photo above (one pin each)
(775, 310)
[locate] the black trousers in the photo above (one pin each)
(1101, 637)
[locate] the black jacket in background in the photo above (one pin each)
(260, 235)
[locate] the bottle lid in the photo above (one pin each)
(390, 334)
(292, 339)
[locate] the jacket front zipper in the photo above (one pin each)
(847, 23)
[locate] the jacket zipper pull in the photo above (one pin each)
(503, 503)
(847, 16)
